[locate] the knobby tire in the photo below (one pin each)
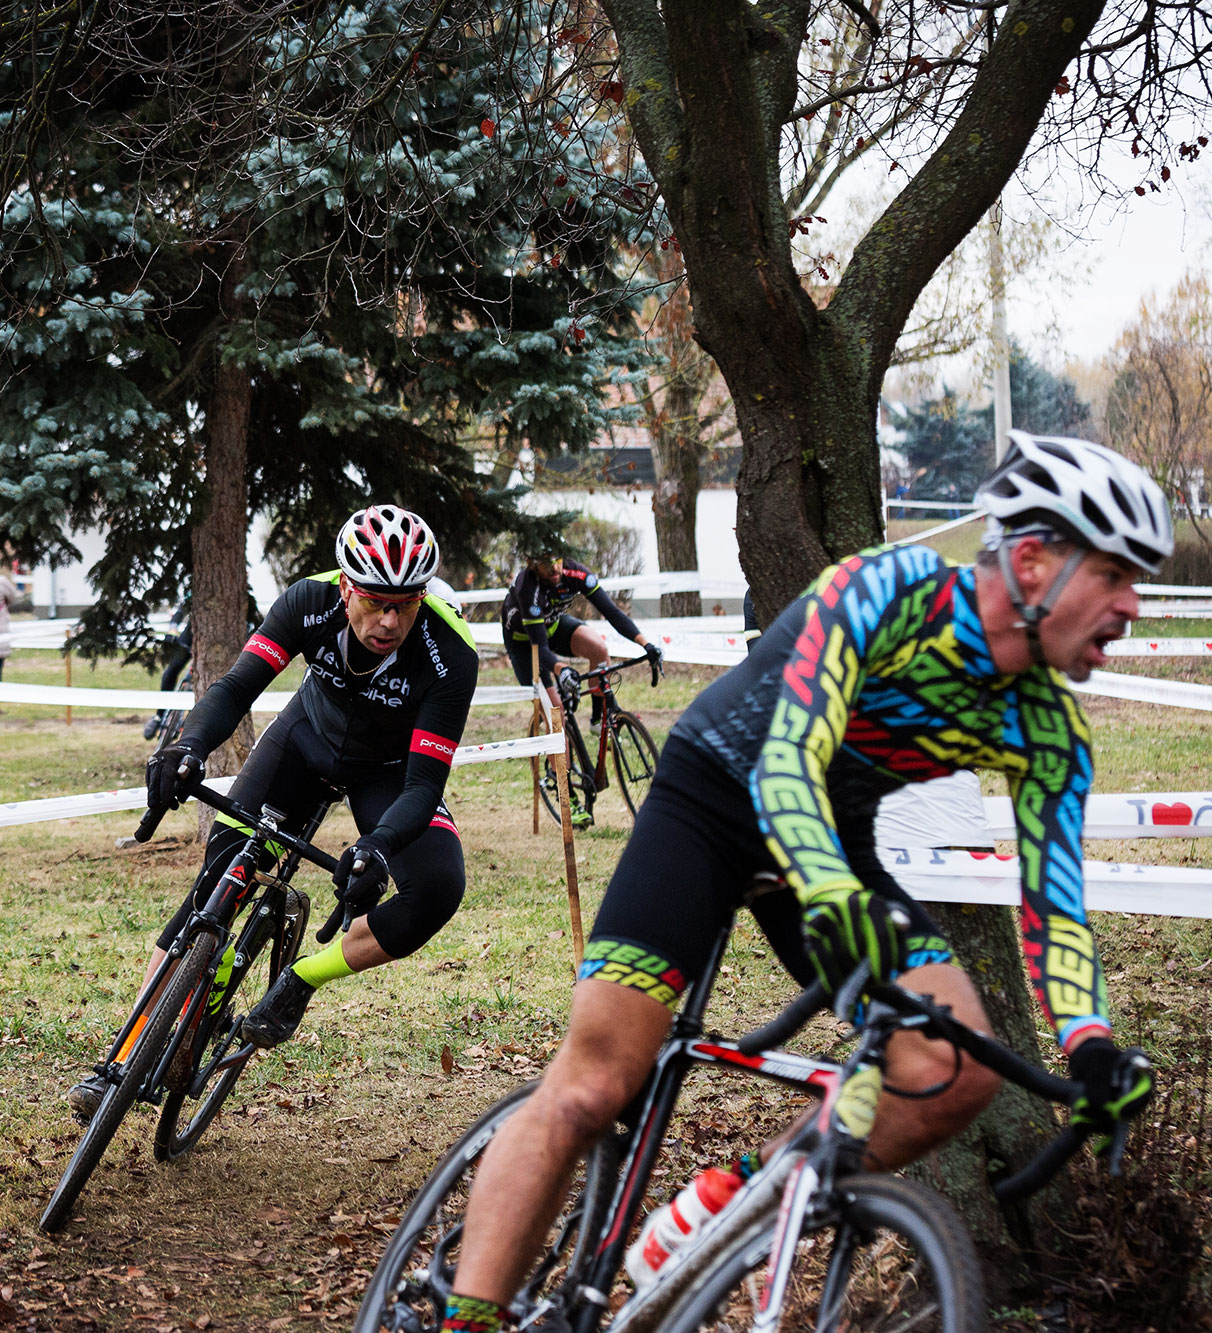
(119, 1097)
(897, 1259)
(402, 1291)
(548, 782)
(635, 758)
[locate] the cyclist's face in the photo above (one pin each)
(379, 623)
(549, 571)
(1096, 606)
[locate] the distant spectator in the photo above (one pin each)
(902, 492)
(8, 597)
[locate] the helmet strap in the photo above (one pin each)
(1033, 616)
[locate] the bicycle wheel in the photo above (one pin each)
(635, 758)
(135, 1070)
(580, 788)
(897, 1259)
(173, 722)
(222, 1055)
(409, 1287)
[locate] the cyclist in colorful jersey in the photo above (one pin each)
(390, 676)
(535, 612)
(892, 668)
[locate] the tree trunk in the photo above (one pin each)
(1011, 1132)
(675, 500)
(220, 573)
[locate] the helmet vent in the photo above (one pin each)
(1095, 515)
(1058, 450)
(1122, 500)
(1042, 478)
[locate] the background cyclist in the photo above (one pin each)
(391, 672)
(535, 612)
(893, 667)
(180, 647)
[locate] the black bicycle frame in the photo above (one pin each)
(649, 1114)
(216, 916)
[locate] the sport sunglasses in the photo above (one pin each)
(373, 602)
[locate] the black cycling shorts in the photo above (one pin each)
(288, 769)
(691, 862)
(559, 641)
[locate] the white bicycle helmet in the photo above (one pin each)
(1078, 490)
(1083, 491)
(384, 546)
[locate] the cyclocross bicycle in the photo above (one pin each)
(172, 723)
(842, 1249)
(633, 750)
(189, 1050)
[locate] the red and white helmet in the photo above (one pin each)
(384, 546)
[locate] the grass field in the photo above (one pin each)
(274, 1222)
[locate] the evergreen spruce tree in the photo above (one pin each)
(1041, 402)
(947, 445)
(293, 285)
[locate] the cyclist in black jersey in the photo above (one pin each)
(535, 612)
(390, 675)
(894, 667)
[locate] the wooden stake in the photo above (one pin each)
(67, 662)
(536, 761)
(560, 761)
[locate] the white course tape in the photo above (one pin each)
(146, 700)
(1143, 689)
(1160, 648)
(1110, 886)
(132, 798)
(940, 813)
(641, 585)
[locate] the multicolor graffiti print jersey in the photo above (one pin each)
(880, 675)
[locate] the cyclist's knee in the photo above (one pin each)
(966, 1086)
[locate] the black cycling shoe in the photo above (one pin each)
(86, 1096)
(151, 726)
(275, 1017)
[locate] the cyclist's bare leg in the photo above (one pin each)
(906, 1129)
(591, 645)
(588, 643)
(613, 1038)
(360, 948)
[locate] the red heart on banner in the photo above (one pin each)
(1208, 646)
(997, 856)
(1178, 813)
(666, 639)
(1153, 647)
(730, 642)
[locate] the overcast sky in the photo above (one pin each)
(1135, 247)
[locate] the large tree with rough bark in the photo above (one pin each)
(711, 87)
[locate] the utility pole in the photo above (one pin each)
(997, 294)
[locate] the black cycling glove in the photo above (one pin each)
(165, 784)
(570, 688)
(844, 927)
(655, 658)
(360, 892)
(1117, 1083)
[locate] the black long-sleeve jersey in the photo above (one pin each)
(533, 608)
(409, 709)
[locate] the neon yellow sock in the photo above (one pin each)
(327, 965)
